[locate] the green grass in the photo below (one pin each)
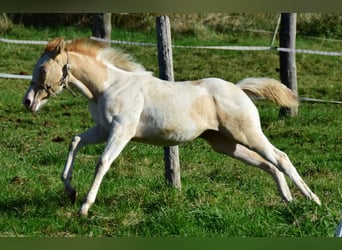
(219, 197)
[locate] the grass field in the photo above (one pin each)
(220, 196)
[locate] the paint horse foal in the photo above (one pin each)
(129, 103)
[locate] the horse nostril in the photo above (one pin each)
(27, 103)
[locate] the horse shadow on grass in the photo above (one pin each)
(42, 204)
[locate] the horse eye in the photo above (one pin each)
(43, 70)
(42, 74)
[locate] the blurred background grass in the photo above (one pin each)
(328, 25)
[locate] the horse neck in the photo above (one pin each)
(87, 74)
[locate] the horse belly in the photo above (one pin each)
(178, 118)
(165, 132)
(166, 136)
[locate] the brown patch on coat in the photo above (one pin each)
(197, 82)
(95, 81)
(203, 112)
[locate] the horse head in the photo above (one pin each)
(49, 75)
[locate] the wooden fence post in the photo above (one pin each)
(287, 59)
(171, 154)
(102, 26)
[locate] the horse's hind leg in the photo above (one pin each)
(258, 142)
(286, 166)
(230, 147)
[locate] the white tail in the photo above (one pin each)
(269, 89)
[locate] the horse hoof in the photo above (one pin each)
(72, 195)
(316, 200)
(83, 212)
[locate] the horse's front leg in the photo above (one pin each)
(118, 138)
(92, 136)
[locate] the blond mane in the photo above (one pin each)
(113, 56)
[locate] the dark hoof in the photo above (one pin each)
(72, 195)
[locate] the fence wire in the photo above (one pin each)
(236, 48)
(239, 48)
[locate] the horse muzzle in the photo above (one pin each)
(29, 105)
(33, 100)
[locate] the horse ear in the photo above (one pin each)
(60, 47)
(55, 46)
